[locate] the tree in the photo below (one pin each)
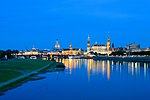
(8, 53)
(2, 54)
(15, 52)
(119, 53)
(95, 53)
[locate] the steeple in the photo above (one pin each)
(88, 44)
(70, 46)
(108, 39)
(108, 43)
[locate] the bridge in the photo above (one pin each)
(41, 56)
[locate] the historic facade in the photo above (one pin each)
(99, 49)
(33, 51)
(56, 47)
(133, 47)
(72, 51)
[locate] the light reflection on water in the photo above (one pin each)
(106, 67)
(86, 79)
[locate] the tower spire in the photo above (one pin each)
(108, 40)
(70, 46)
(88, 44)
(108, 45)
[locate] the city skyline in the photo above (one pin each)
(74, 49)
(26, 23)
(83, 46)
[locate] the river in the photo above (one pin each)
(86, 79)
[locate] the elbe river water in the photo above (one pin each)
(86, 79)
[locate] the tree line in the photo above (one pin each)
(123, 53)
(8, 52)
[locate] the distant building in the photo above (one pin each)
(99, 49)
(147, 49)
(113, 47)
(33, 51)
(119, 49)
(88, 45)
(108, 44)
(133, 47)
(72, 51)
(45, 51)
(27, 52)
(56, 50)
(102, 49)
(56, 47)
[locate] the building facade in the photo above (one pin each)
(56, 47)
(33, 51)
(99, 49)
(133, 47)
(72, 51)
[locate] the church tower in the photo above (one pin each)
(71, 49)
(57, 46)
(108, 43)
(70, 46)
(88, 44)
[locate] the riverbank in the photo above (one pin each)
(17, 72)
(131, 59)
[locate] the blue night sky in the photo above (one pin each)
(24, 23)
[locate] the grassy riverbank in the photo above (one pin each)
(14, 68)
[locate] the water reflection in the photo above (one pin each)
(86, 79)
(105, 68)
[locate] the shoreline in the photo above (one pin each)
(5, 86)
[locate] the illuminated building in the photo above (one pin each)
(99, 49)
(56, 50)
(56, 47)
(108, 44)
(45, 51)
(32, 54)
(27, 52)
(72, 51)
(33, 51)
(133, 47)
(88, 45)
